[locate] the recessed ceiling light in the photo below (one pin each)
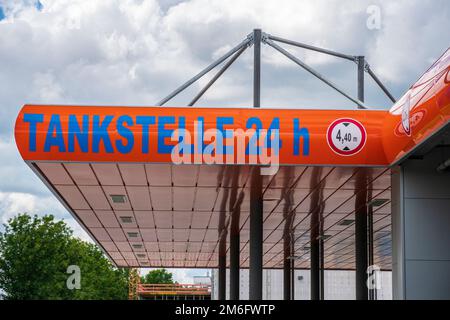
(118, 198)
(126, 219)
(140, 255)
(137, 246)
(132, 234)
(378, 202)
(346, 222)
(143, 262)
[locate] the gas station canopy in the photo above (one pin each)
(113, 169)
(180, 187)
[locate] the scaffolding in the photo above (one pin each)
(173, 291)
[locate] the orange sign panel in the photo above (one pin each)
(239, 135)
(201, 135)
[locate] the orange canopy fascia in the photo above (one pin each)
(143, 134)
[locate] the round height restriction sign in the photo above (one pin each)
(346, 136)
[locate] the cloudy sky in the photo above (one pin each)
(134, 52)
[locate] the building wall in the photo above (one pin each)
(339, 285)
(421, 228)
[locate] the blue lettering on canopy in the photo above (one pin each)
(221, 149)
(33, 119)
(253, 144)
(81, 135)
(126, 133)
(200, 131)
(300, 133)
(183, 146)
(274, 126)
(164, 133)
(54, 137)
(145, 121)
(100, 132)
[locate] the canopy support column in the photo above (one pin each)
(235, 243)
(287, 274)
(361, 247)
(222, 270)
(234, 265)
(256, 200)
(315, 266)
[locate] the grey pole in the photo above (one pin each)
(361, 254)
(380, 84)
(361, 63)
(234, 265)
(235, 242)
(315, 258)
(222, 270)
(370, 244)
(314, 72)
(244, 43)
(313, 48)
(361, 248)
(257, 36)
(336, 54)
(235, 204)
(256, 235)
(322, 266)
(287, 269)
(372, 292)
(292, 279)
(217, 76)
(315, 266)
(256, 199)
(315, 216)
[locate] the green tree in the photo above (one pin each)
(35, 253)
(157, 276)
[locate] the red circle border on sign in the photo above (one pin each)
(351, 152)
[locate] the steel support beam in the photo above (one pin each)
(316, 233)
(314, 72)
(256, 235)
(292, 280)
(269, 39)
(313, 48)
(361, 248)
(370, 244)
(256, 199)
(361, 63)
(222, 270)
(372, 292)
(380, 84)
(244, 43)
(234, 265)
(315, 266)
(257, 35)
(322, 265)
(217, 76)
(361, 254)
(235, 242)
(287, 272)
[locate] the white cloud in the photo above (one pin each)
(14, 203)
